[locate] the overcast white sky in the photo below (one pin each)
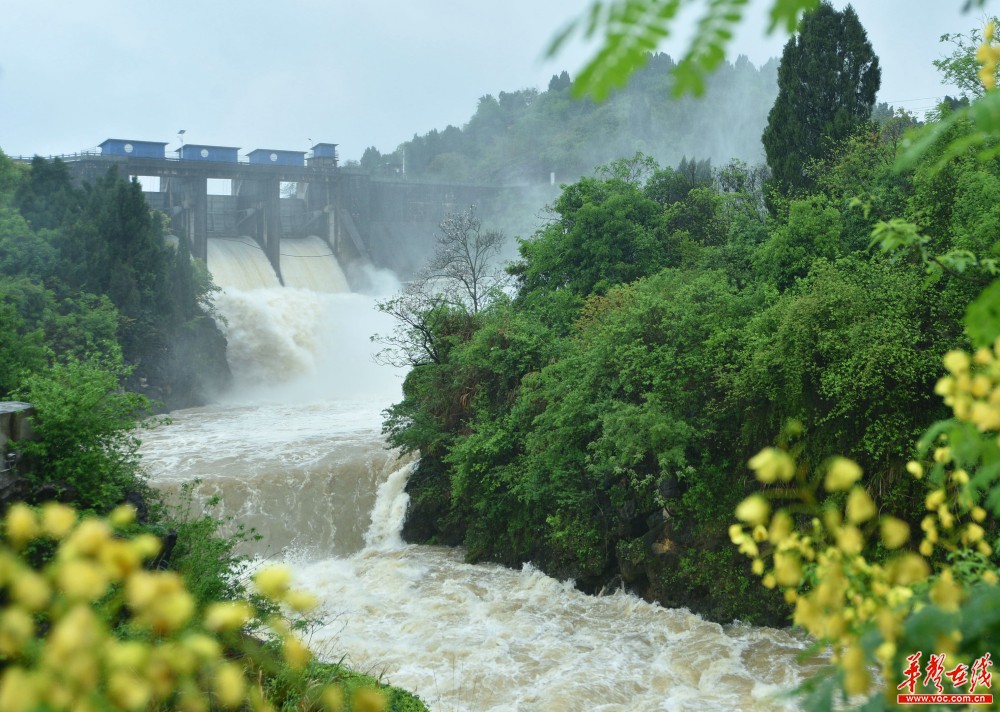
(286, 75)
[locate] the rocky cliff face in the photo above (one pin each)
(14, 426)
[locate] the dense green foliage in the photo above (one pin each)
(88, 272)
(664, 328)
(98, 312)
(524, 136)
(827, 82)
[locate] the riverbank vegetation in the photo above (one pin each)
(111, 598)
(87, 273)
(667, 330)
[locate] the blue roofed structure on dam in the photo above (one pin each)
(275, 157)
(136, 149)
(217, 154)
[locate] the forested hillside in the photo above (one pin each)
(668, 324)
(86, 274)
(524, 136)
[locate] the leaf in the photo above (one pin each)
(785, 13)
(560, 39)
(917, 144)
(632, 29)
(982, 318)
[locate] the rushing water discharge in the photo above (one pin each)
(298, 455)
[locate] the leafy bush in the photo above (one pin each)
(84, 424)
(95, 629)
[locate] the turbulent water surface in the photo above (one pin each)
(299, 457)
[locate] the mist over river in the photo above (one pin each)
(296, 452)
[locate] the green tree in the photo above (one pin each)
(85, 430)
(827, 81)
(47, 198)
(960, 68)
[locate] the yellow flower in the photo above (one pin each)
(170, 612)
(842, 473)
(787, 569)
(123, 515)
(126, 655)
(81, 580)
(757, 567)
(956, 361)
(985, 416)
(141, 590)
(18, 691)
(273, 581)
(915, 469)
(753, 510)
(31, 590)
(860, 507)
(945, 386)
(945, 593)
(366, 699)
(973, 533)
(906, 569)
(120, 558)
(191, 699)
(229, 685)
(146, 546)
(57, 520)
(857, 680)
(22, 524)
(297, 655)
(983, 356)
(203, 647)
(946, 518)
(781, 527)
(850, 540)
(76, 632)
(227, 615)
(772, 464)
(895, 532)
(302, 602)
(17, 627)
(885, 651)
(333, 699)
(88, 538)
(935, 499)
(128, 690)
(978, 513)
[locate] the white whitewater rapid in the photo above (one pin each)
(299, 456)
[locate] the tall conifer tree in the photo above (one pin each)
(827, 81)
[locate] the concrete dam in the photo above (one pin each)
(267, 212)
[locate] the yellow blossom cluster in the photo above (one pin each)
(841, 597)
(835, 591)
(988, 55)
(95, 629)
(971, 389)
(838, 595)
